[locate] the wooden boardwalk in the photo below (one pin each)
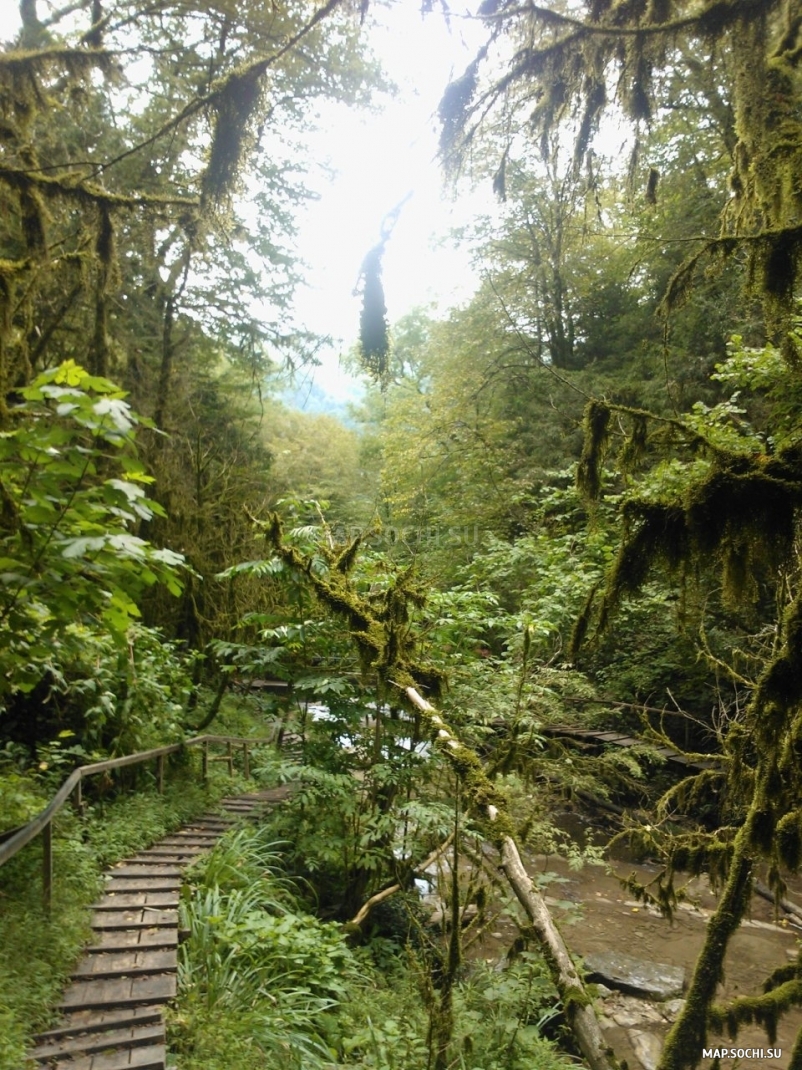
(112, 1012)
(594, 737)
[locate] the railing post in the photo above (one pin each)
(246, 761)
(47, 865)
(79, 797)
(230, 757)
(205, 760)
(160, 774)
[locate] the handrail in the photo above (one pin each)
(41, 823)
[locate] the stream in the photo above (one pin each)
(598, 917)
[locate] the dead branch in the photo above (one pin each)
(385, 893)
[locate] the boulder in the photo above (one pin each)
(651, 980)
(647, 1048)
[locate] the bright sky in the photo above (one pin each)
(378, 159)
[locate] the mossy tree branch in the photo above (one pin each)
(395, 668)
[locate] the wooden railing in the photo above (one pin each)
(43, 822)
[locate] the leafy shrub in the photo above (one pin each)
(256, 976)
(71, 570)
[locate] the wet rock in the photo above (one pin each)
(654, 980)
(441, 913)
(628, 1011)
(647, 1048)
(672, 1009)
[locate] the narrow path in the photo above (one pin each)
(113, 1009)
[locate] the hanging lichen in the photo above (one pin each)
(107, 277)
(455, 106)
(235, 105)
(596, 426)
(374, 337)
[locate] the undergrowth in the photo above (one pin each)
(258, 978)
(264, 985)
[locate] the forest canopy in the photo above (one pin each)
(569, 505)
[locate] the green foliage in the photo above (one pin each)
(257, 978)
(72, 490)
(21, 797)
(499, 1018)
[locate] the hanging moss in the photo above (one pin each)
(780, 686)
(235, 106)
(764, 1010)
(106, 278)
(634, 447)
(789, 972)
(374, 336)
(595, 100)
(455, 106)
(32, 217)
(596, 429)
(582, 623)
(653, 532)
(345, 562)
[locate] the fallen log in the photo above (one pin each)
(577, 1004)
(786, 904)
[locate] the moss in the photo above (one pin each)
(789, 840)
(764, 1010)
(345, 562)
(635, 444)
(374, 336)
(235, 105)
(596, 428)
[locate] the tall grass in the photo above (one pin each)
(257, 978)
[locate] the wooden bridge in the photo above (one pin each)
(112, 1013)
(598, 738)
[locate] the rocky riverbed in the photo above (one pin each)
(642, 962)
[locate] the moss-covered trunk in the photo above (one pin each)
(683, 1047)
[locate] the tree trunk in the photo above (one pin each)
(576, 1002)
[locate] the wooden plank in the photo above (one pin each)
(78, 1022)
(117, 884)
(85, 995)
(128, 939)
(130, 963)
(199, 839)
(216, 826)
(170, 852)
(132, 900)
(146, 869)
(89, 1043)
(133, 919)
(158, 856)
(150, 1058)
(190, 834)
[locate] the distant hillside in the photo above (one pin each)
(309, 396)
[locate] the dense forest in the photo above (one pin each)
(569, 501)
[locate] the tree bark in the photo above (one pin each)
(385, 893)
(576, 1002)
